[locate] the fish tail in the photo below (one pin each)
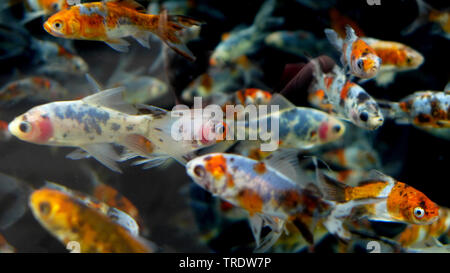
(424, 11)
(332, 189)
(392, 110)
(170, 29)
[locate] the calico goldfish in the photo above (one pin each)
(426, 110)
(271, 195)
(68, 220)
(356, 55)
(97, 121)
(346, 99)
(111, 21)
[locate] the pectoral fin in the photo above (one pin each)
(103, 152)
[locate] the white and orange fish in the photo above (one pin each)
(111, 21)
(395, 57)
(426, 110)
(272, 192)
(356, 55)
(394, 201)
(348, 100)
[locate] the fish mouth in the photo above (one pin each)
(49, 29)
(12, 128)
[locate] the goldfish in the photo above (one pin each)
(395, 57)
(111, 21)
(245, 41)
(299, 127)
(394, 201)
(54, 58)
(426, 110)
(5, 135)
(34, 88)
(271, 195)
(142, 89)
(347, 99)
(356, 55)
(427, 14)
(113, 213)
(68, 220)
(95, 122)
(418, 235)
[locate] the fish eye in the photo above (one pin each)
(199, 171)
(337, 128)
(364, 116)
(57, 25)
(44, 208)
(25, 127)
(409, 60)
(419, 212)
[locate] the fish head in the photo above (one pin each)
(413, 58)
(210, 172)
(330, 130)
(367, 66)
(48, 206)
(415, 206)
(34, 126)
(63, 24)
(368, 114)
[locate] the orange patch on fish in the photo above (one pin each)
(216, 165)
(392, 56)
(345, 89)
(250, 200)
(368, 189)
(260, 168)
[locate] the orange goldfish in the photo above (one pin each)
(110, 21)
(68, 220)
(357, 55)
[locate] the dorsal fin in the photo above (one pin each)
(111, 98)
(379, 176)
(281, 101)
(285, 161)
(131, 4)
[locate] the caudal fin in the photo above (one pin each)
(424, 11)
(170, 30)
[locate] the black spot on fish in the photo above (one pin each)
(89, 117)
(158, 129)
(115, 126)
(65, 135)
(58, 113)
(129, 127)
(160, 140)
(362, 97)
